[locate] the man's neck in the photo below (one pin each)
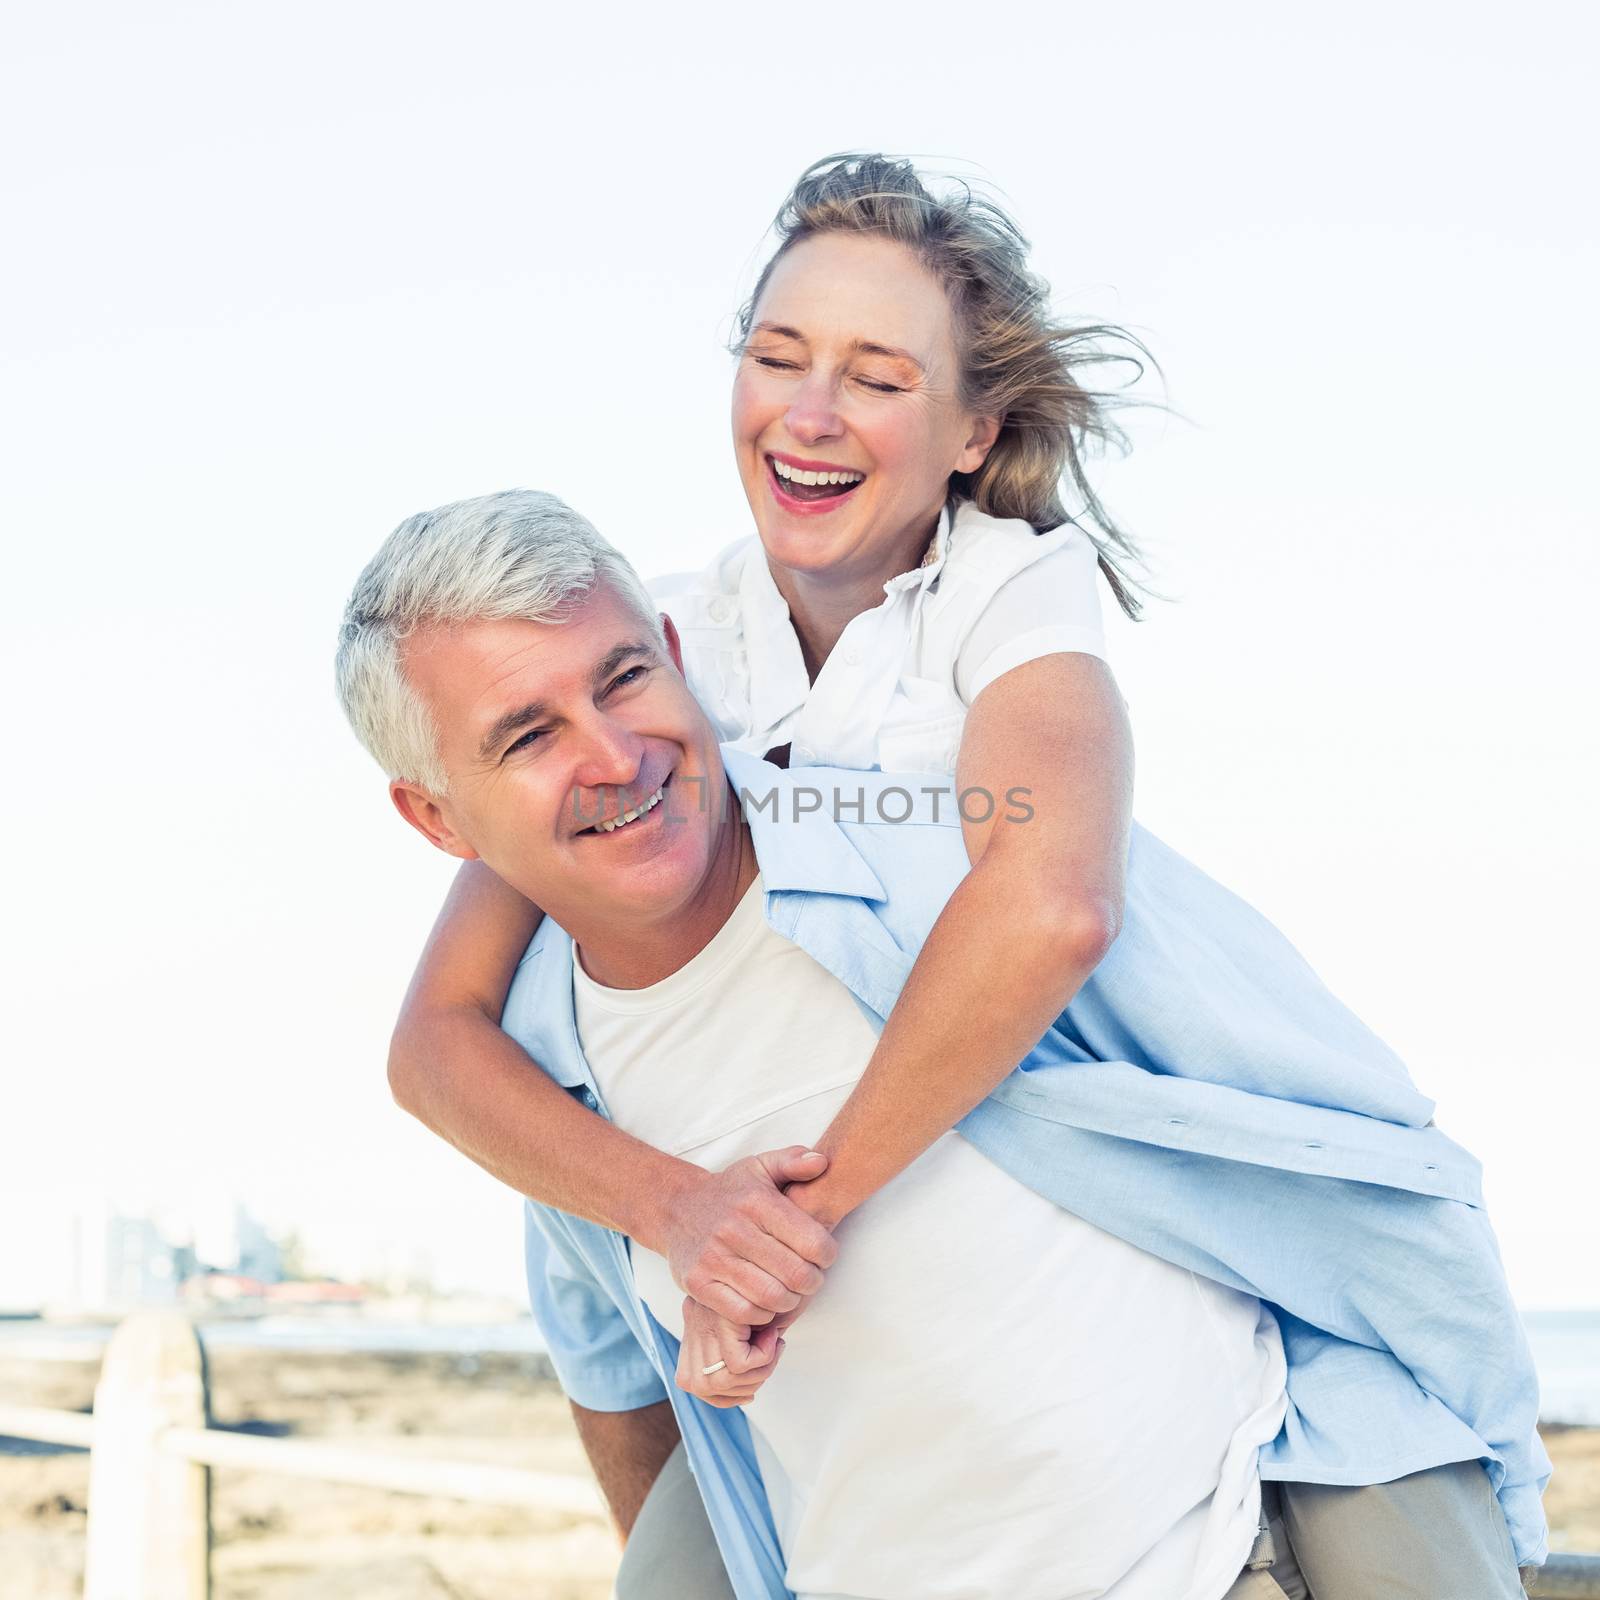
(636, 955)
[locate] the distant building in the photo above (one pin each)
(120, 1261)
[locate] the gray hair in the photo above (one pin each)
(520, 553)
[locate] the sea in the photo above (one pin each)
(1566, 1345)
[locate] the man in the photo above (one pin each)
(908, 1446)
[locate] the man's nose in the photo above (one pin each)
(611, 756)
(813, 414)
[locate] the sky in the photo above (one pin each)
(279, 277)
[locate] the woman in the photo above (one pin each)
(946, 436)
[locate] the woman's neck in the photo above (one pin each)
(823, 604)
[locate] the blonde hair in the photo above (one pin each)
(1017, 362)
(521, 553)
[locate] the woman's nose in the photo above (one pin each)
(814, 412)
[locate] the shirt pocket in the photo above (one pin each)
(922, 728)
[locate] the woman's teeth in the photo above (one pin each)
(630, 816)
(812, 479)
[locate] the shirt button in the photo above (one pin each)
(852, 658)
(721, 610)
(590, 1100)
(803, 752)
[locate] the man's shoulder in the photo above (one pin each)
(890, 839)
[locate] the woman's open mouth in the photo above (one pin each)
(809, 490)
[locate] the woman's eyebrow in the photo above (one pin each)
(867, 347)
(778, 331)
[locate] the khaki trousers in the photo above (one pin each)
(1436, 1535)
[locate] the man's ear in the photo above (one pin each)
(427, 816)
(985, 430)
(674, 643)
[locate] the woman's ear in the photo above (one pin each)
(980, 441)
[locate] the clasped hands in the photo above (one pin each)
(749, 1247)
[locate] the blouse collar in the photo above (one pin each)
(779, 683)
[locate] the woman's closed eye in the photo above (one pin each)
(876, 385)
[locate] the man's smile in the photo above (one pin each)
(639, 817)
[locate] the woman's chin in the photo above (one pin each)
(800, 548)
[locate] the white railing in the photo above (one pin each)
(151, 1451)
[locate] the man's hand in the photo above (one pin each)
(744, 1356)
(743, 1251)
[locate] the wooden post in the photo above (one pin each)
(149, 1511)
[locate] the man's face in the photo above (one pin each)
(550, 733)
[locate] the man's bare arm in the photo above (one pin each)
(627, 1449)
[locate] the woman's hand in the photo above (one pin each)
(741, 1249)
(744, 1357)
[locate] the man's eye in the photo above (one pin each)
(524, 742)
(623, 679)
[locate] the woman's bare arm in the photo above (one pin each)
(1015, 942)
(732, 1239)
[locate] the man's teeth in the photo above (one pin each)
(629, 816)
(795, 475)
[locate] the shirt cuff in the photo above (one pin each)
(610, 1386)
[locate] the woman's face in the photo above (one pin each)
(850, 371)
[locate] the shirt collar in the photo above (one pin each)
(798, 847)
(932, 564)
(779, 682)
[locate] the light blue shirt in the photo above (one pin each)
(1203, 1097)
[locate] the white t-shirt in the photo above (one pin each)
(895, 691)
(990, 1399)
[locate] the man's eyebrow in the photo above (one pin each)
(616, 655)
(516, 720)
(509, 723)
(868, 347)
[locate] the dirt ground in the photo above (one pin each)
(296, 1539)
(291, 1539)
